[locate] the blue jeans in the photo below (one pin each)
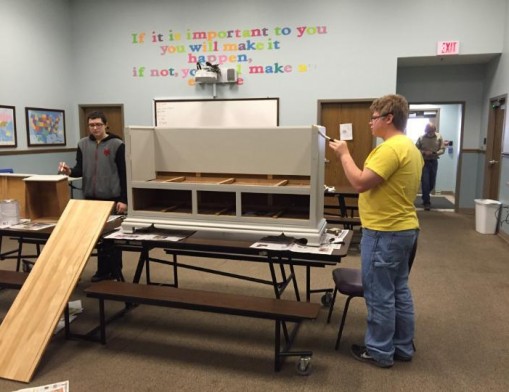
(390, 322)
(428, 179)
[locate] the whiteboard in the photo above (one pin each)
(249, 112)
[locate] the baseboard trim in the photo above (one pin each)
(504, 236)
(466, 211)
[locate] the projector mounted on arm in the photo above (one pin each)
(208, 74)
(213, 74)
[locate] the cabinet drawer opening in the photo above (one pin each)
(216, 203)
(275, 206)
(162, 200)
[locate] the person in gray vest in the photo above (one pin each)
(100, 161)
(431, 145)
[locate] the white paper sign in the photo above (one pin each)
(345, 131)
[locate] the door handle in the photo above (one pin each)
(492, 162)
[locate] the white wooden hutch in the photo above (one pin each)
(254, 181)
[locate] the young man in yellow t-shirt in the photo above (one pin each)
(387, 186)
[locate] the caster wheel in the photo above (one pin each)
(26, 267)
(304, 366)
(326, 299)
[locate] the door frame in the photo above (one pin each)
(494, 141)
(457, 189)
(459, 148)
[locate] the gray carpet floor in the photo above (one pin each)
(437, 203)
(461, 293)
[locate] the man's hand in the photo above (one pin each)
(121, 208)
(64, 169)
(361, 180)
(339, 147)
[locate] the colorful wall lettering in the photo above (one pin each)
(233, 48)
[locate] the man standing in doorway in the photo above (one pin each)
(387, 186)
(431, 145)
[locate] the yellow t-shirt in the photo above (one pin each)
(390, 205)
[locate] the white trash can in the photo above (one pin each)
(487, 212)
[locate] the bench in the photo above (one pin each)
(347, 222)
(12, 279)
(281, 311)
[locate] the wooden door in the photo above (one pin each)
(496, 121)
(331, 115)
(114, 114)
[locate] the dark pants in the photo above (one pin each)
(428, 179)
(109, 259)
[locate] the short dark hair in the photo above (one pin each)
(100, 115)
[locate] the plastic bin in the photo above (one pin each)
(486, 215)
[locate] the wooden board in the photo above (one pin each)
(32, 318)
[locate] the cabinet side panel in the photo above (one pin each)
(140, 152)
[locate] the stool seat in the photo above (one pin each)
(348, 281)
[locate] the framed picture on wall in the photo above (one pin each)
(7, 126)
(45, 127)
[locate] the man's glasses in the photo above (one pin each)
(96, 125)
(373, 118)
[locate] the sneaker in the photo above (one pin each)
(401, 358)
(361, 354)
(427, 207)
(101, 276)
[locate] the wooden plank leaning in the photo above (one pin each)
(29, 324)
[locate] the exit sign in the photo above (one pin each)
(448, 47)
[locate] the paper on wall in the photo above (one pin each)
(345, 131)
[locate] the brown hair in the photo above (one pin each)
(100, 115)
(394, 104)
